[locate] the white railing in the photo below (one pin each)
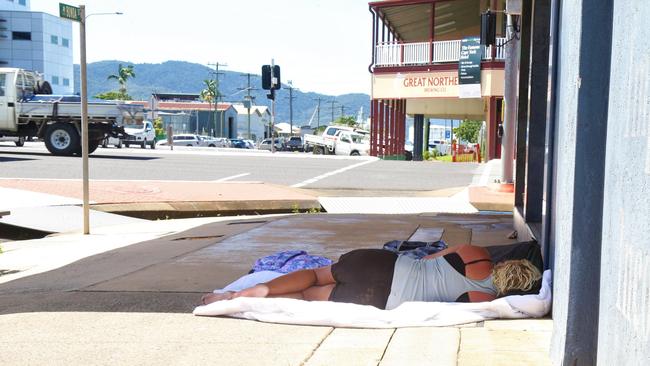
(446, 51)
(416, 53)
(419, 53)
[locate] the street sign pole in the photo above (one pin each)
(84, 119)
(272, 108)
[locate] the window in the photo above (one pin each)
(3, 82)
(332, 131)
(65, 42)
(55, 80)
(66, 82)
(21, 36)
(54, 39)
(22, 2)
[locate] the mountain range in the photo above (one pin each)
(186, 77)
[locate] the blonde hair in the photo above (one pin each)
(516, 274)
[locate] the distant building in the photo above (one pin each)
(260, 119)
(37, 41)
(188, 114)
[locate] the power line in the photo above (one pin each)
(291, 98)
(249, 99)
(219, 96)
(332, 109)
(319, 99)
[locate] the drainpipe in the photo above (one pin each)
(510, 97)
(374, 38)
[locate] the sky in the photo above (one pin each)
(321, 45)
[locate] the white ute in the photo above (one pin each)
(339, 140)
(27, 108)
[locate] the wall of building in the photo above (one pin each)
(17, 5)
(49, 51)
(624, 332)
(581, 109)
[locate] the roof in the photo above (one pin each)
(243, 110)
(192, 106)
(411, 19)
(185, 106)
(176, 96)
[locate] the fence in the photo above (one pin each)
(465, 154)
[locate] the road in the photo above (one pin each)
(327, 173)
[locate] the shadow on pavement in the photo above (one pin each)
(116, 157)
(6, 159)
(169, 274)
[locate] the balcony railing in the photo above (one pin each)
(425, 53)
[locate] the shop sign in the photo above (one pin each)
(469, 68)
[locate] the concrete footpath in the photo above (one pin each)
(124, 295)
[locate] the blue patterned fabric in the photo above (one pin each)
(289, 261)
(415, 249)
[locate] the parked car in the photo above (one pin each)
(249, 144)
(114, 141)
(237, 143)
(141, 134)
(442, 147)
(184, 139)
(18, 140)
(209, 141)
(294, 143)
(266, 144)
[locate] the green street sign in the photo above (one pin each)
(69, 12)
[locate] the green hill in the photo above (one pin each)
(186, 77)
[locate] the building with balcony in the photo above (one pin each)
(37, 41)
(416, 49)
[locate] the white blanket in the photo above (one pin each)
(409, 314)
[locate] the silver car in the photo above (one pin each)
(209, 141)
(186, 140)
(266, 145)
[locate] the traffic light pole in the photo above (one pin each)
(272, 107)
(84, 120)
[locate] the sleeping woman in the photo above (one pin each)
(383, 279)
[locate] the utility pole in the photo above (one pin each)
(332, 110)
(510, 97)
(342, 110)
(319, 99)
(249, 98)
(216, 74)
(291, 98)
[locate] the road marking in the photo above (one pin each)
(329, 174)
(231, 177)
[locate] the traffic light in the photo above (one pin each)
(268, 82)
(488, 28)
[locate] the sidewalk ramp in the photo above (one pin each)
(59, 219)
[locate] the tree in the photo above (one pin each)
(209, 94)
(159, 128)
(346, 121)
(468, 130)
(113, 95)
(122, 76)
